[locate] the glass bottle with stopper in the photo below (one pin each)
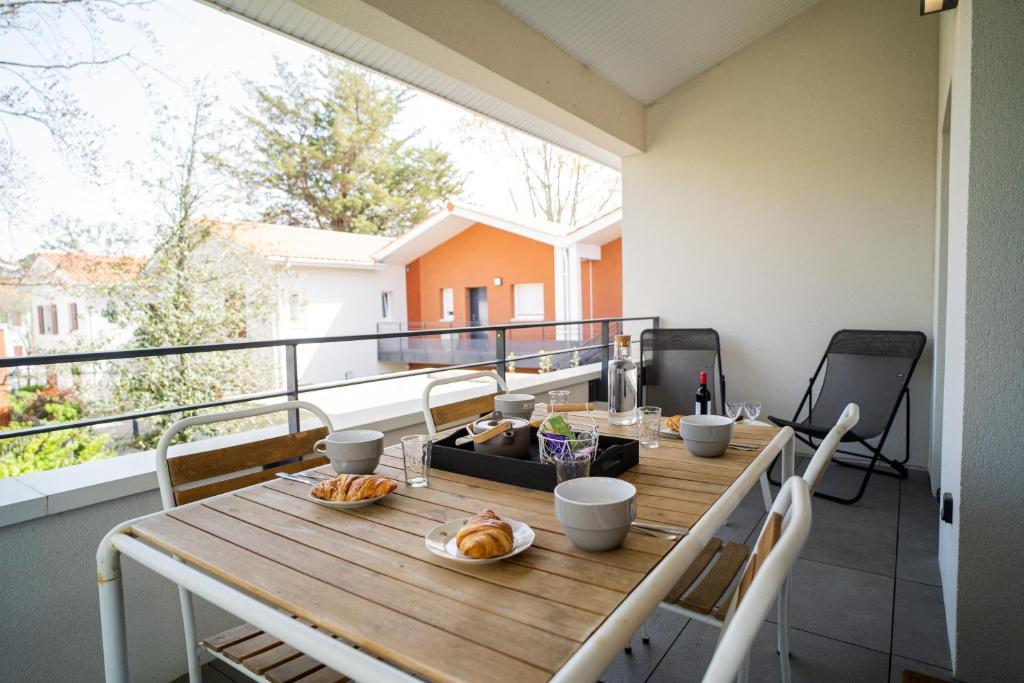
(622, 384)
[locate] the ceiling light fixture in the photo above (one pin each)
(933, 6)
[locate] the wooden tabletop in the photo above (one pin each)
(365, 574)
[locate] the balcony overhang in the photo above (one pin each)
(488, 62)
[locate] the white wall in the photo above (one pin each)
(981, 553)
(338, 301)
(50, 629)
(789, 192)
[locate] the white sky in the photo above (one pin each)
(193, 42)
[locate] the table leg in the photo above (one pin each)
(115, 645)
(788, 458)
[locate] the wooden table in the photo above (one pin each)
(365, 575)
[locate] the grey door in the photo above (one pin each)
(478, 310)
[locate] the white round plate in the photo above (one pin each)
(344, 504)
(441, 541)
(671, 433)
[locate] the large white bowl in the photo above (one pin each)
(706, 436)
(595, 512)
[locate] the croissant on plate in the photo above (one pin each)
(673, 422)
(352, 487)
(485, 535)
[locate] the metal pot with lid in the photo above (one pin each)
(512, 443)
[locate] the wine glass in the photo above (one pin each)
(751, 409)
(733, 409)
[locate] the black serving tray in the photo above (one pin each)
(615, 455)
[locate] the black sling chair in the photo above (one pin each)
(871, 368)
(670, 365)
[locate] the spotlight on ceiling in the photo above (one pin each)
(933, 6)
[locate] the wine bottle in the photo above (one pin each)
(703, 396)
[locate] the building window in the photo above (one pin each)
(529, 301)
(447, 304)
(73, 317)
(385, 305)
(46, 317)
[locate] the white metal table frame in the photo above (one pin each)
(588, 663)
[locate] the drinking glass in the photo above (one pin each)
(416, 458)
(751, 409)
(556, 397)
(572, 466)
(733, 409)
(650, 426)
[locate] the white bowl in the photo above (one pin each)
(595, 512)
(352, 451)
(515, 405)
(706, 436)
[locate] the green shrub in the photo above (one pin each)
(26, 454)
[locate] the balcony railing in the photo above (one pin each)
(573, 344)
(497, 356)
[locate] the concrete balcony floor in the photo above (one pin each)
(866, 597)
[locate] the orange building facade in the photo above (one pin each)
(465, 267)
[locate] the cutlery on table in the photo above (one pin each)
(308, 481)
(660, 527)
(656, 534)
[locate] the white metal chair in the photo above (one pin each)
(783, 536)
(699, 592)
(194, 476)
(449, 413)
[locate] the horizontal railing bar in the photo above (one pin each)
(24, 361)
(122, 354)
(124, 417)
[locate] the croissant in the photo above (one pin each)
(351, 487)
(484, 535)
(673, 422)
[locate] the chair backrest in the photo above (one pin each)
(194, 476)
(671, 361)
(822, 457)
(780, 542)
(449, 413)
(871, 368)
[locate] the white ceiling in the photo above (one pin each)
(648, 47)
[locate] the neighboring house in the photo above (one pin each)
(65, 302)
(330, 285)
(468, 267)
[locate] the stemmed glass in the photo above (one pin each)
(733, 409)
(751, 409)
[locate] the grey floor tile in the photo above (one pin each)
(920, 624)
(901, 663)
(749, 515)
(919, 534)
(845, 604)
(210, 675)
(814, 659)
(664, 627)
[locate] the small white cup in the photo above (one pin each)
(352, 451)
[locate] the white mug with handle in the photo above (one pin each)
(352, 451)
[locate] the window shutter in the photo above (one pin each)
(53, 318)
(73, 314)
(42, 320)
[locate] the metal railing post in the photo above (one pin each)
(656, 322)
(291, 367)
(499, 347)
(602, 390)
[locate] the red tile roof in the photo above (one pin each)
(82, 268)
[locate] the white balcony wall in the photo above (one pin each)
(980, 553)
(789, 192)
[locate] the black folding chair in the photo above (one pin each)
(871, 368)
(670, 365)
